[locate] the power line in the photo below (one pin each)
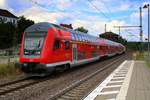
(107, 7)
(132, 34)
(45, 7)
(75, 10)
(99, 10)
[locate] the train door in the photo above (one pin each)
(74, 53)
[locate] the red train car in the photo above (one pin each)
(47, 47)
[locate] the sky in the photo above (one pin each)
(91, 14)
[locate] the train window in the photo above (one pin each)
(67, 46)
(77, 37)
(56, 45)
(80, 38)
(88, 38)
(83, 37)
(93, 40)
(73, 36)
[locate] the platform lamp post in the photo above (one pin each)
(148, 45)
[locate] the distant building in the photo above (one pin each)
(110, 36)
(113, 37)
(67, 25)
(6, 16)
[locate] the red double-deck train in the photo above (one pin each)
(47, 47)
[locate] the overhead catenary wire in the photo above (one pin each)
(99, 10)
(131, 34)
(107, 7)
(45, 7)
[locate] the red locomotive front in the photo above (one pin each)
(42, 49)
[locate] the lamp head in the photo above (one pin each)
(146, 6)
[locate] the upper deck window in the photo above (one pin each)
(73, 36)
(80, 38)
(77, 37)
(84, 37)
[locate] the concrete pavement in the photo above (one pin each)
(130, 81)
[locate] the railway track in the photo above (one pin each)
(77, 90)
(17, 85)
(14, 81)
(74, 91)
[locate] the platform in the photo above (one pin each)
(130, 81)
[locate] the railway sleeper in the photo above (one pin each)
(74, 94)
(69, 97)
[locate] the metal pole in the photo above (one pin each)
(105, 28)
(119, 30)
(141, 24)
(141, 32)
(148, 32)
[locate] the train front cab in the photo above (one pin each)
(38, 56)
(35, 45)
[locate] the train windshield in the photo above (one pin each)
(33, 43)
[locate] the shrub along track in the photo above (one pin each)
(69, 82)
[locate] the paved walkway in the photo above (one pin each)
(130, 81)
(139, 88)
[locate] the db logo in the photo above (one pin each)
(67, 56)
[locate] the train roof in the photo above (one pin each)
(42, 26)
(75, 35)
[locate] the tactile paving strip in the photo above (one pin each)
(111, 86)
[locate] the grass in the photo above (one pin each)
(142, 56)
(148, 64)
(8, 70)
(138, 56)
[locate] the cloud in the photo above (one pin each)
(124, 7)
(63, 4)
(56, 4)
(108, 6)
(134, 20)
(95, 25)
(40, 15)
(2, 4)
(82, 13)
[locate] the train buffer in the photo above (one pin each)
(130, 81)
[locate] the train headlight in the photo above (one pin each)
(38, 52)
(25, 64)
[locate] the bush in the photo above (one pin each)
(6, 70)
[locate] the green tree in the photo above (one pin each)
(81, 29)
(23, 23)
(113, 37)
(7, 32)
